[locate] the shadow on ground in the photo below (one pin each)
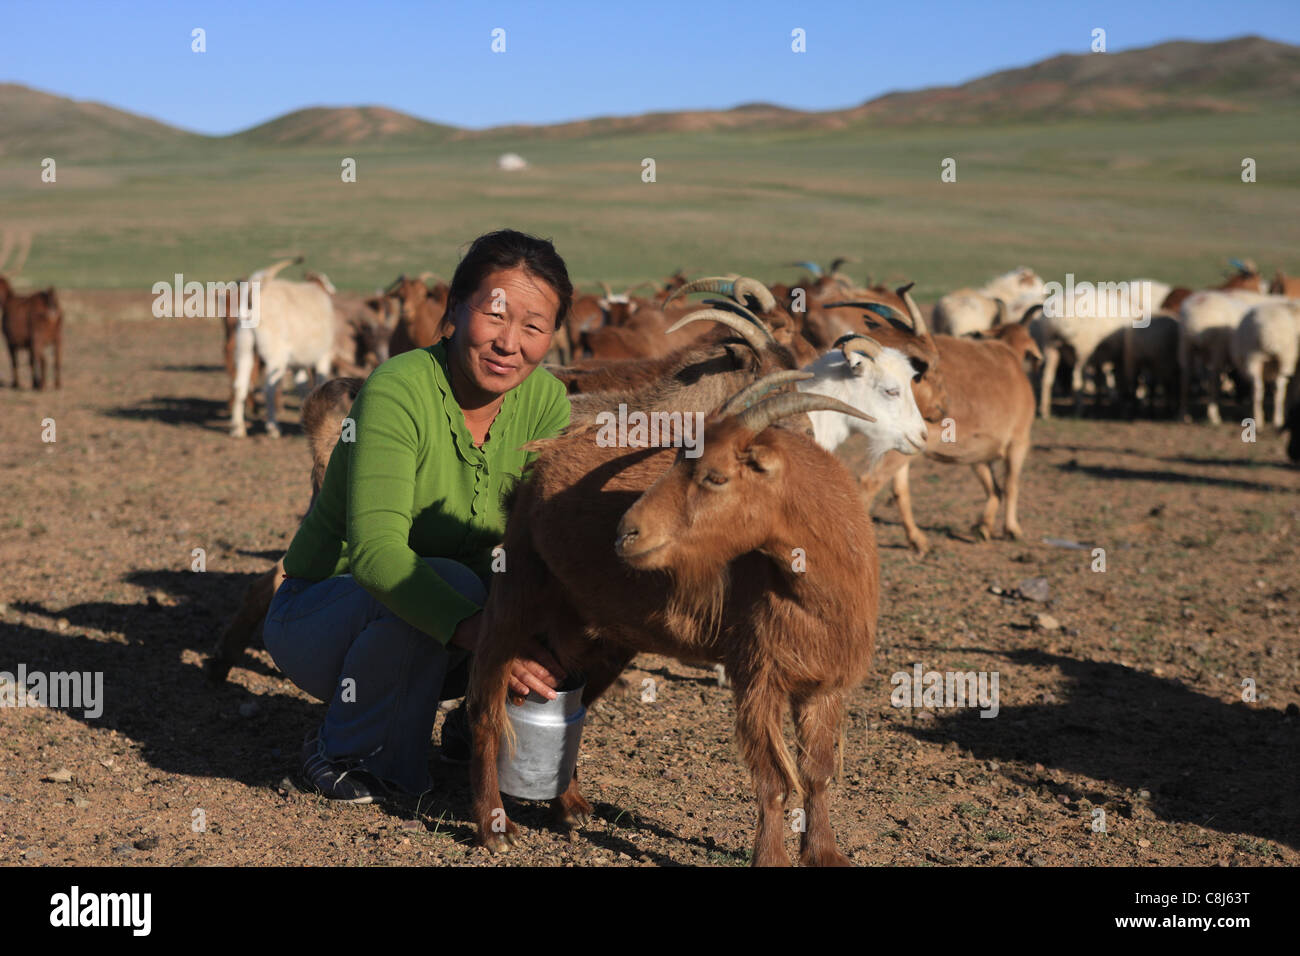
(1229, 767)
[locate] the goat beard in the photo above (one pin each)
(697, 598)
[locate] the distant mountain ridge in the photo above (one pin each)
(1246, 74)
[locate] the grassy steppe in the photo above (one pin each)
(1111, 199)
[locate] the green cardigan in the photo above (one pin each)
(411, 484)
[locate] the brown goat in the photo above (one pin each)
(696, 377)
(642, 340)
(423, 320)
(989, 413)
(1246, 276)
(725, 527)
(362, 329)
(1174, 300)
(586, 314)
(35, 323)
(323, 413)
(1281, 285)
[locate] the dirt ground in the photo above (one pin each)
(1133, 706)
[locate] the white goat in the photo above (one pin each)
(1207, 322)
(1266, 345)
(963, 311)
(878, 382)
(292, 328)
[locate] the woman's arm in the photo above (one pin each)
(381, 489)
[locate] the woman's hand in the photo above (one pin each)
(535, 670)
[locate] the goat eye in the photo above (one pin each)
(715, 479)
(892, 392)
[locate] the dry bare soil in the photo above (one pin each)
(1133, 707)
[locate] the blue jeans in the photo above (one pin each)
(382, 676)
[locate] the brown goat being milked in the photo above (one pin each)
(616, 551)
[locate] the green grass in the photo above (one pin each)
(1105, 199)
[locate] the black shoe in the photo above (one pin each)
(337, 779)
(456, 736)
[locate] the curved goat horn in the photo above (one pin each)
(721, 284)
(756, 389)
(727, 305)
(759, 337)
(882, 309)
(1029, 313)
(392, 286)
(760, 416)
(762, 294)
(734, 285)
(904, 292)
(812, 268)
(426, 276)
(862, 344)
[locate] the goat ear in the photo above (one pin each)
(764, 459)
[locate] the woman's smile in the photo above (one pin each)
(499, 367)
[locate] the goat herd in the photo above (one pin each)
(772, 569)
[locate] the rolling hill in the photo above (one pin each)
(42, 124)
(1244, 75)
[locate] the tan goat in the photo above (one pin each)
(724, 526)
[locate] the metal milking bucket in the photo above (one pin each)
(547, 736)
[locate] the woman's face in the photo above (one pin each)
(504, 329)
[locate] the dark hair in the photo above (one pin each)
(505, 249)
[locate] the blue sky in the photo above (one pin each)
(563, 60)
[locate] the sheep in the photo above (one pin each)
(294, 326)
(725, 526)
(963, 311)
(1151, 351)
(1266, 345)
(323, 413)
(35, 323)
(1092, 331)
(1207, 321)
(986, 416)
